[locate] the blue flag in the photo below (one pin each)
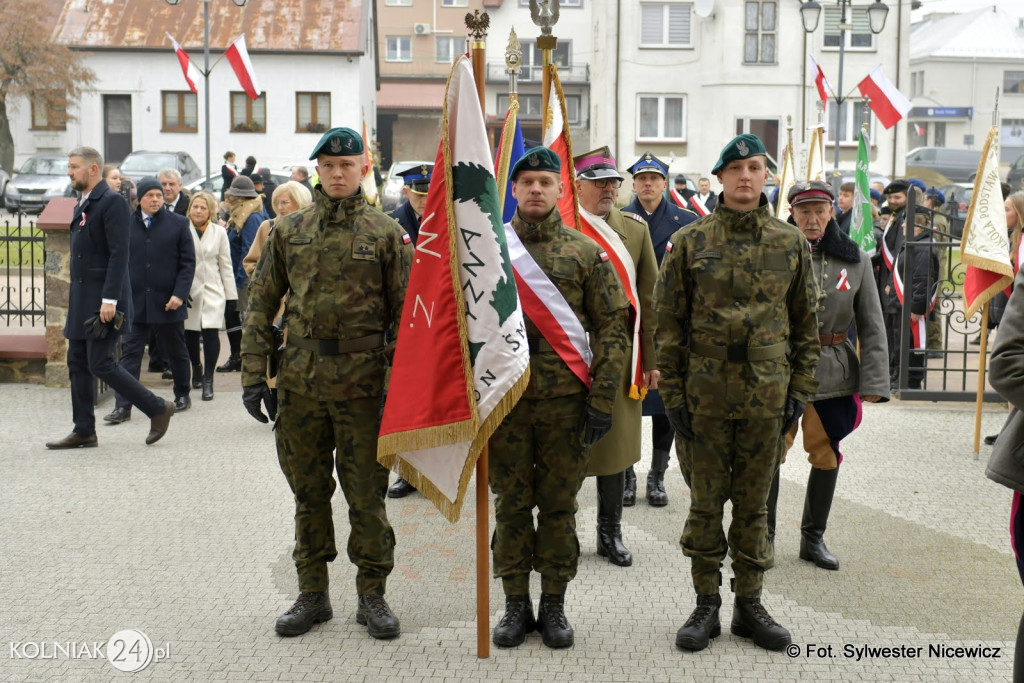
(515, 153)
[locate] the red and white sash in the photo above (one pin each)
(699, 206)
(547, 308)
(695, 204)
(598, 230)
(918, 330)
(887, 254)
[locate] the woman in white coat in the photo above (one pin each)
(212, 285)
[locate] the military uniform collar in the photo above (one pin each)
(339, 210)
(752, 218)
(537, 232)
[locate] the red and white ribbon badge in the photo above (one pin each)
(844, 281)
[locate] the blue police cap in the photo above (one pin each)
(418, 177)
(649, 163)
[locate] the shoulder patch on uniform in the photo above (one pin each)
(707, 254)
(668, 247)
(406, 239)
(634, 216)
(603, 256)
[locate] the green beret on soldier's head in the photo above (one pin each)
(537, 159)
(338, 142)
(740, 147)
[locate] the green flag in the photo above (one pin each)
(861, 224)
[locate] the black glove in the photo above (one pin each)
(231, 306)
(256, 394)
(593, 425)
(96, 329)
(794, 409)
(679, 418)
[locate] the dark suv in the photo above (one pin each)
(140, 164)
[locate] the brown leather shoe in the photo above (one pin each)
(158, 423)
(73, 440)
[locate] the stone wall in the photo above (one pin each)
(55, 222)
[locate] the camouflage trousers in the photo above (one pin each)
(537, 460)
(729, 460)
(310, 433)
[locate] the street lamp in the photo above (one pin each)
(206, 74)
(810, 15)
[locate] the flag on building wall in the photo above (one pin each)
(985, 246)
(191, 72)
(462, 360)
(861, 222)
(510, 149)
(885, 100)
(238, 57)
(787, 180)
(559, 141)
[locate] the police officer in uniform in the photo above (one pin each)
(344, 266)
(409, 214)
(537, 457)
(737, 344)
(663, 218)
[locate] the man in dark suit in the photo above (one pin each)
(175, 199)
(99, 286)
(300, 174)
(161, 263)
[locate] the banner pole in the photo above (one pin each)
(477, 23)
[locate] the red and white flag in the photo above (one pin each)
(558, 140)
(819, 79)
(238, 56)
(985, 246)
(885, 100)
(189, 69)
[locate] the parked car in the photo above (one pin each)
(391, 195)
(140, 164)
(958, 198)
(4, 179)
(958, 165)
(847, 176)
(216, 182)
(40, 179)
(1015, 176)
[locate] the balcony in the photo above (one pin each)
(574, 74)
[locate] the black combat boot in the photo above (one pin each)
(609, 520)
(555, 630)
(751, 620)
(232, 364)
(629, 492)
(656, 495)
(821, 486)
(515, 623)
(703, 624)
(197, 376)
(207, 384)
(773, 505)
(309, 609)
(377, 617)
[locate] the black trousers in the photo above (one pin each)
(171, 338)
(211, 348)
(93, 359)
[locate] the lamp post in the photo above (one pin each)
(206, 75)
(810, 15)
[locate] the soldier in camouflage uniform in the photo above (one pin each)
(734, 292)
(344, 266)
(538, 455)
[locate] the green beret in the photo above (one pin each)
(537, 159)
(338, 142)
(740, 147)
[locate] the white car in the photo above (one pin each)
(391, 194)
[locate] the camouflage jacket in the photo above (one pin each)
(736, 279)
(344, 266)
(577, 267)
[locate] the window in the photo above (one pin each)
(1013, 82)
(916, 83)
(46, 116)
(533, 59)
(759, 39)
(248, 115)
(665, 24)
(765, 129)
(563, 4)
(179, 113)
(399, 49)
(859, 38)
(1011, 134)
(312, 112)
(398, 3)
(661, 118)
(848, 122)
(453, 3)
(447, 49)
(530, 105)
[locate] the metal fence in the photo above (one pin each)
(22, 258)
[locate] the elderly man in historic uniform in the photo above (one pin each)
(627, 242)
(663, 218)
(344, 266)
(737, 347)
(538, 455)
(845, 285)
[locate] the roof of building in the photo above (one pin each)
(988, 33)
(268, 25)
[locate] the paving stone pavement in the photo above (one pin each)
(189, 542)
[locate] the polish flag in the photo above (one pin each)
(189, 69)
(885, 100)
(819, 79)
(238, 56)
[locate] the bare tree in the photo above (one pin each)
(33, 66)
